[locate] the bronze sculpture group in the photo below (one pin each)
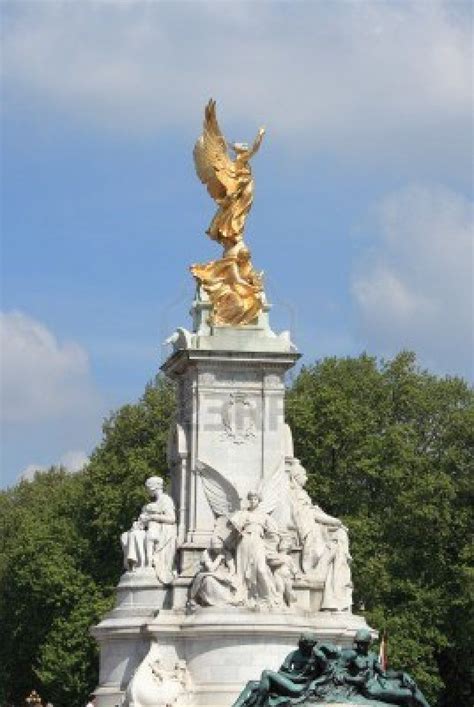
(321, 672)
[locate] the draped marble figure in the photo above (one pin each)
(216, 583)
(254, 526)
(285, 570)
(151, 542)
(325, 545)
(233, 286)
(264, 570)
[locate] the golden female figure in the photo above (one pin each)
(229, 182)
(233, 286)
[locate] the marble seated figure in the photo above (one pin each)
(150, 544)
(217, 582)
(325, 545)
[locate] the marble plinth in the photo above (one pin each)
(137, 591)
(222, 648)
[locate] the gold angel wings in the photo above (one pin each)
(234, 288)
(228, 181)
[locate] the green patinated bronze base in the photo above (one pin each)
(351, 703)
(345, 702)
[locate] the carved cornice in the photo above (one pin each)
(180, 361)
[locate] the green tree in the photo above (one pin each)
(60, 554)
(389, 449)
(43, 581)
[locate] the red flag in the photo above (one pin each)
(383, 653)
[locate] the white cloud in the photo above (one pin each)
(28, 474)
(73, 461)
(414, 288)
(41, 377)
(378, 77)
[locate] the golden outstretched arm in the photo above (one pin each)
(234, 288)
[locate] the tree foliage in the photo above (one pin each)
(44, 579)
(388, 448)
(60, 554)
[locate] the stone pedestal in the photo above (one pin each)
(229, 437)
(230, 417)
(222, 649)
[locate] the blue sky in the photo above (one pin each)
(362, 219)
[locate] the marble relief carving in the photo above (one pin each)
(273, 381)
(239, 418)
(153, 684)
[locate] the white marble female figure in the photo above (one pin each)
(254, 526)
(216, 584)
(151, 542)
(325, 545)
(337, 593)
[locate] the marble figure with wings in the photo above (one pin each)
(253, 531)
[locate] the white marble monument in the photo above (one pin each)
(223, 575)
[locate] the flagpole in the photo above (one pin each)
(383, 652)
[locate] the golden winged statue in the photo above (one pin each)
(234, 288)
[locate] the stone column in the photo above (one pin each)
(230, 384)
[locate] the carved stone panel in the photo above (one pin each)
(239, 418)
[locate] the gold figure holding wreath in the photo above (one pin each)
(234, 288)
